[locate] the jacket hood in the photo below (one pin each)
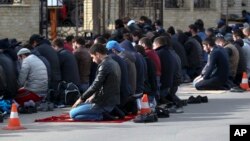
(127, 45)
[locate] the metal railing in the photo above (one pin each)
(6, 1)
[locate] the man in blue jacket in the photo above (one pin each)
(217, 72)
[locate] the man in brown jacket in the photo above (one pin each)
(83, 60)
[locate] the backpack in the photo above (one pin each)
(68, 93)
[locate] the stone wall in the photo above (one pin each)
(181, 19)
(19, 21)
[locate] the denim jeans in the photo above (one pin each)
(88, 111)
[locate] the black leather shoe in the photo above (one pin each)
(193, 100)
(146, 118)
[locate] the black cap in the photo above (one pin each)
(35, 37)
(4, 43)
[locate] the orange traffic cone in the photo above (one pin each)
(14, 122)
(244, 83)
(145, 109)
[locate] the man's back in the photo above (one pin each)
(33, 74)
(69, 68)
(167, 67)
(46, 51)
(84, 64)
(10, 74)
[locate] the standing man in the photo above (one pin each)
(104, 93)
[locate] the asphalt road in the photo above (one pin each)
(199, 122)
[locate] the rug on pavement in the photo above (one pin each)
(65, 118)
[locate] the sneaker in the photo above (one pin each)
(61, 106)
(237, 90)
(43, 107)
(50, 106)
(24, 110)
(33, 109)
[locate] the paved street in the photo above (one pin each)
(199, 122)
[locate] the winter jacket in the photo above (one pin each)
(125, 89)
(83, 60)
(10, 75)
(180, 50)
(140, 63)
(167, 67)
(246, 50)
(33, 75)
(50, 54)
(194, 53)
(68, 67)
(233, 58)
(130, 61)
(218, 65)
(106, 86)
(152, 55)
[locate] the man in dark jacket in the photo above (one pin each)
(194, 54)
(128, 78)
(68, 65)
(83, 59)
(45, 50)
(140, 63)
(217, 72)
(104, 93)
(170, 77)
(125, 86)
(9, 70)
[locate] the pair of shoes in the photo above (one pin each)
(151, 117)
(45, 106)
(24, 110)
(184, 102)
(203, 99)
(161, 112)
(237, 90)
(197, 100)
(176, 109)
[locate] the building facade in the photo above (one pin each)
(20, 20)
